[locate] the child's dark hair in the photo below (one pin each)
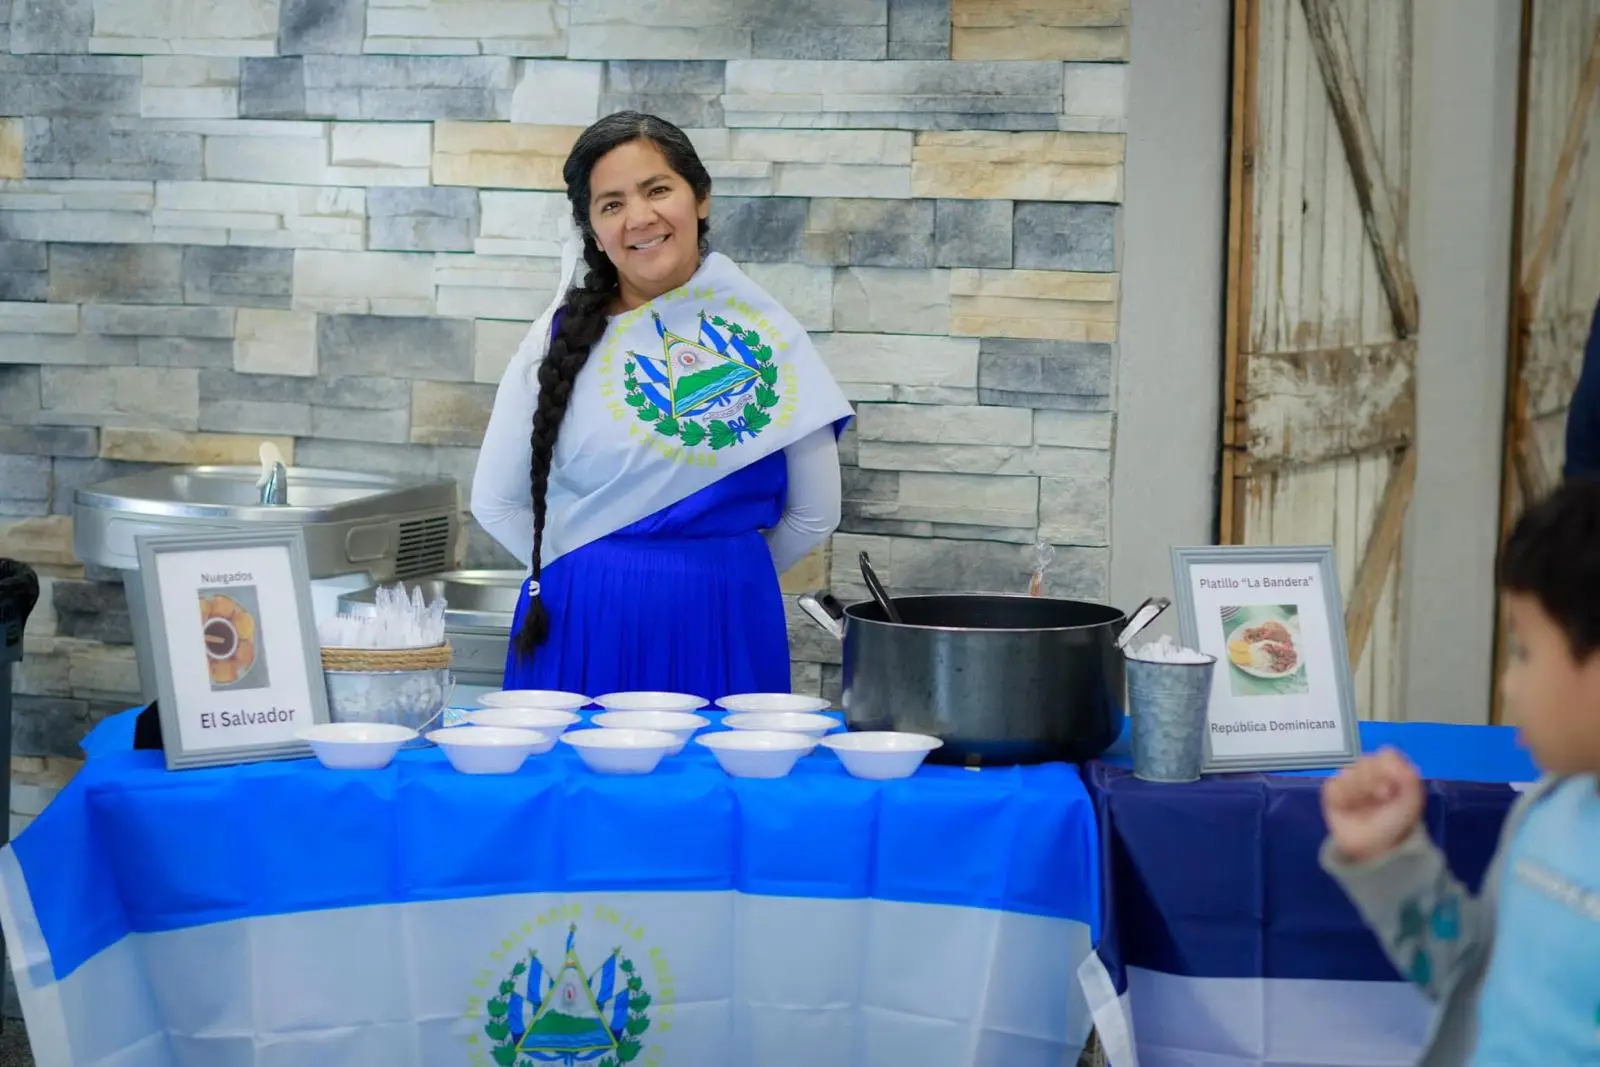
(1553, 556)
(582, 317)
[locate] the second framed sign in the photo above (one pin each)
(1281, 697)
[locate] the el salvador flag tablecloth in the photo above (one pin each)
(282, 915)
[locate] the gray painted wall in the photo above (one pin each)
(1463, 163)
(1174, 241)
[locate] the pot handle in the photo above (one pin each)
(1142, 616)
(825, 610)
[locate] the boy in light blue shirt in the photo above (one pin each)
(1516, 970)
(1546, 992)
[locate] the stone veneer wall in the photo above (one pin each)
(329, 221)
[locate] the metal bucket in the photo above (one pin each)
(403, 698)
(1167, 702)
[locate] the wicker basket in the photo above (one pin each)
(404, 686)
(384, 660)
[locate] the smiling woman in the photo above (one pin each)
(647, 219)
(662, 446)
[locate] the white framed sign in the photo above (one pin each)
(1282, 696)
(238, 669)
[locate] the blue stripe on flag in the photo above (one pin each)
(607, 984)
(709, 335)
(519, 1012)
(619, 1012)
(130, 847)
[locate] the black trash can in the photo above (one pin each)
(19, 592)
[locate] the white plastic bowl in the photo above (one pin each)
(788, 722)
(534, 698)
(757, 753)
(797, 703)
(651, 701)
(547, 721)
(488, 749)
(881, 754)
(618, 751)
(680, 724)
(355, 746)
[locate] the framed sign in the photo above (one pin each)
(1282, 696)
(238, 670)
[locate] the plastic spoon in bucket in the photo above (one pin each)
(879, 593)
(1143, 616)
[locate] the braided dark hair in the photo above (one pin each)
(583, 315)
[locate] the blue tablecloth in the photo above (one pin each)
(815, 918)
(1235, 946)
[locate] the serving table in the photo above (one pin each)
(284, 914)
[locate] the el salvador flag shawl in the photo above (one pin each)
(679, 393)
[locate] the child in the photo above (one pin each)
(1516, 971)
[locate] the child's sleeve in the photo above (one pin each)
(1426, 920)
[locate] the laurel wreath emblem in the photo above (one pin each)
(505, 1050)
(755, 416)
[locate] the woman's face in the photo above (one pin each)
(646, 220)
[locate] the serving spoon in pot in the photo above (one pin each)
(879, 593)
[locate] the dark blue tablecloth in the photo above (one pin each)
(1219, 878)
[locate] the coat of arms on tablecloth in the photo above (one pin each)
(566, 1016)
(716, 389)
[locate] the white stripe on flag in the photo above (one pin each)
(1276, 1022)
(1111, 1015)
(38, 994)
(780, 982)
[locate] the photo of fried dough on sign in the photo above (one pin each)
(235, 655)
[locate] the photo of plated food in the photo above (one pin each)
(231, 634)
(1263, 647)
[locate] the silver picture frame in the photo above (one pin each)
(1185, 559)
(296, 572)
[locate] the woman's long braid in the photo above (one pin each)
(583, 323)
(584, 311)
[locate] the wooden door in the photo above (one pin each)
(1319, 399)
(1557, 278)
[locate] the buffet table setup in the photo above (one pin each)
(314, 846)
(283, 912)
(310, 849)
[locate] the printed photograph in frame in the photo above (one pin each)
(234, 642)
(1282, 696)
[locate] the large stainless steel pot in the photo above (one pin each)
(1000, 679)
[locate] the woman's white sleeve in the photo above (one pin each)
(812, 509)
(502, 489)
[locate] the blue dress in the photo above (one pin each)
(685, 600)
